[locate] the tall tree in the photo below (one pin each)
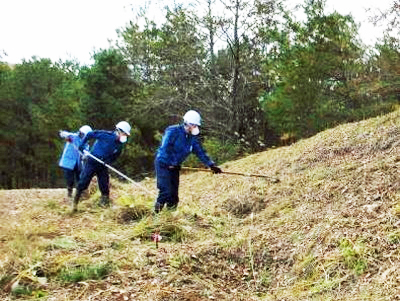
(31, 130)
(239, 26)
(312, 63)
(108, 87)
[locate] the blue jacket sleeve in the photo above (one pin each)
(91, 135)
(200, 153)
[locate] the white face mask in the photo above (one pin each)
(195, 131)
(123, 139)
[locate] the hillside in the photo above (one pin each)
(329, 230)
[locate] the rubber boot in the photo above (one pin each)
(76, 201)
(172, 207)
(158, 207)
(104, 201)
(69, 192)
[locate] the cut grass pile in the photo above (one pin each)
(329, 230)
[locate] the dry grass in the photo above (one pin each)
(329, 230)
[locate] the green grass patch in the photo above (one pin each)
(5, 279)
(85, 272)
(352, 255)
(52, 205)
(394, 237)
(179, 259)
(325, 285)
(63, 242)
(171, 226)
(22, 290)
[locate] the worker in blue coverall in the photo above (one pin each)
(177, 143)
(107, 147)
(71, 159)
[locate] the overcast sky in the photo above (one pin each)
(73, 29)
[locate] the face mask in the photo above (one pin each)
(123, 139)
(195, 131)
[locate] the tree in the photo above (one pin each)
(392, 16)
(169, 62)
(108, 87)
(28, 93)
(141, 48)
(312, 63)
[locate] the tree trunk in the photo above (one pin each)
(236, 118)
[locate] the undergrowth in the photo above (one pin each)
(328, 230)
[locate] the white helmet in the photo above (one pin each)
(85, 129)
(192, 117)
(124, 127)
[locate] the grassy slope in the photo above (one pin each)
(329, 230)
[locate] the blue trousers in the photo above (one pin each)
(168, 186)
(91, 169)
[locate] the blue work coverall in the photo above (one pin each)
(107, 148)
(71, 160)
(175, 147)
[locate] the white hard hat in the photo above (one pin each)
(85, 129)
(192, 117)
(124, 127)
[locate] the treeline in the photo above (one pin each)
(275, 80)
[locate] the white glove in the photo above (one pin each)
(85, 154)
(63, 134)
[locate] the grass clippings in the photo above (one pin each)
(328, 230)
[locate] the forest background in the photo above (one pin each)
(276, 80)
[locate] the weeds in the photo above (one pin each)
(394, 237)
(63, 242)
(318, 234)
(352, 255)
(78, 273)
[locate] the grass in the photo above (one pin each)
(327, 231)
(81, 273)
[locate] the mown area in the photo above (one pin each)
(328, 230)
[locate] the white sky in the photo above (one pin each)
(73, 29)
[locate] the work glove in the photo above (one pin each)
(85, 154)
(174, 167)
(215, 169)
(63, 134)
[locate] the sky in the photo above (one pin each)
(74, 29)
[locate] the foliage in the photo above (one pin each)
(271, 80)
(35, 96)
(320, 59)
(218, 150)
(108, 87)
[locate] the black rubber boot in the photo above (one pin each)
(158, 207)
(76, 201)
(104, 201)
